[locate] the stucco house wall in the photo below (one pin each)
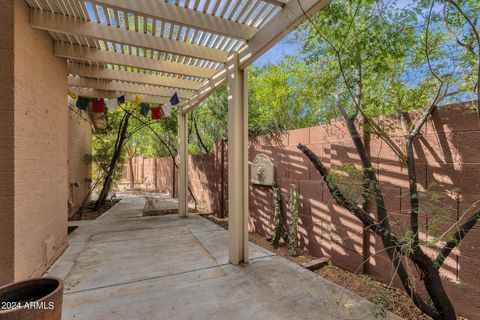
(79, 167)
(34, 144)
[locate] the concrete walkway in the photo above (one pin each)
(125, 266)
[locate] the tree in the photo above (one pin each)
(378, 59)
(117, 152)
(131, 153)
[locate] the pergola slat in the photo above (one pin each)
(205, 91)
(110, 74)
(83, 53)
(125, 87)
(70, 25)
(275, 30)
(278, 3)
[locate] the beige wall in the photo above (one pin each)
(34, 147)
(6, 141)
(79, 144)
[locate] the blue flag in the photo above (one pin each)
(174, 99)
(121, 100)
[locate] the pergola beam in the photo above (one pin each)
(89, 71)
(182, 164)
(237, 161)
(278, 3)
(110, 85)
(205, 91)
(83, 53)
(290, 17)
(71, 25)
(104, 94)
(185, 16)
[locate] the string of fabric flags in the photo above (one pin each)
(101, 105)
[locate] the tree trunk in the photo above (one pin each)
(107, 183)
(433, 283)
(131, 176)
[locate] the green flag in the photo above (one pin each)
(144, 109)
(82, 103)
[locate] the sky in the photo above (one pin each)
(276, 53)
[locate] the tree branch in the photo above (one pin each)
(340, 198)
(385, 234)
(423, 119)
(457, 237)
(477, 36)
(199, 138)
(468, 47)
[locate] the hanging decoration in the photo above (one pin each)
(72, 95)
(82, 103)
(98, 105)
(156, 113)
(121, 100)
(167, 107)
(111, 104)
(144, 109)
(137, 100)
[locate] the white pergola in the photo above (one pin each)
(153, 48)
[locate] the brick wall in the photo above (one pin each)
(34, 147)
(448, 162)
(79, 145)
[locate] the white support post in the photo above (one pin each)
(237, 161)
(182, 165)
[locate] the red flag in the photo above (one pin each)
(156, 113)
(98, 105)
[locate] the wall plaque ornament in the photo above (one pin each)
(262, 172)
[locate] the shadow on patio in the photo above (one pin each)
(125, 266)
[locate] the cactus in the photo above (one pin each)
(277, 217)
(292, 233)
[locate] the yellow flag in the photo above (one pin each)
(73, 95)
(137, 101)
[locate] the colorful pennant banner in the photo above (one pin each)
(156, 113)
(82, 103)
(100, 105)
(167, 107)
(144, 109)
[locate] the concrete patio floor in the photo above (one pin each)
(125, 266)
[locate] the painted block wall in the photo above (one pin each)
(34, 144)
(79, 145)
(6, 143)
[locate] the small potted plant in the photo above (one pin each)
(34, 299)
